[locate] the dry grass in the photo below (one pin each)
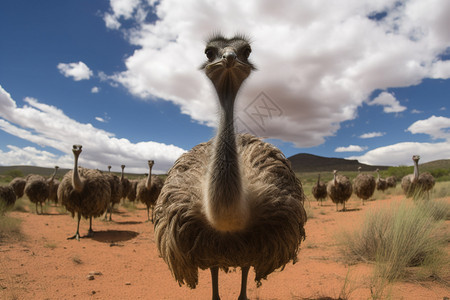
(10, 228)
(397, 238)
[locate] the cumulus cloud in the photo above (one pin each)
(370, 135)
(351, 148)
(401, 153)
(317, 61)
(95, 90)
(48, 126)
(77, 70)
(436, 127)
(389, 103)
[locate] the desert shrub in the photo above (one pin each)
(397, 237)
(9, 228)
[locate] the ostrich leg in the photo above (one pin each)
(215, 283)
(243, 294)
(77, 235)
(90, 231)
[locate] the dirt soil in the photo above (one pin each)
(121, 262)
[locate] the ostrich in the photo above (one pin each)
(36, 190)
(7, 198)
(364, 185)
(233, 201)
(381, 182)
(18, 185)
(339, 189)
(319, 191)
(148, 190)
(116, 192)
(391, 182)
(415, 184)
(53, 187)
(125, 183)
(131, 196)
(85, 192)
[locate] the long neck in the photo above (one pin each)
(53, 176)
(225, 205)
(121, 176)
(318, 179)
(335, 179)
(148, 183)
(76, 181)
(416, 170)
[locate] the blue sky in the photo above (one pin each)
(366, 80)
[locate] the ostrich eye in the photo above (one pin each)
(209, 53)
(247, 52)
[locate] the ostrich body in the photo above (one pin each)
(36, 190)
(319, 190)
(339, 189)
(148, 190)
(125, 183)
(18, 185)
(415, 184)
(116, 192)
(7, 197)
(233, 201)
(131, 196)
(381, 182)
(391, 182)
(53, 185)
(364, 185)
(84, 192)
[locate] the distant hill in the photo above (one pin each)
(304, 162)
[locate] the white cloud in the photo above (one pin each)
(100, 119)
(317, 60)
(401, 153)
(436, 127)
(48, 126)
(79, 70)
(389, 103)
(416, 111)
(350, 148)
(95, 90)
(370, 135)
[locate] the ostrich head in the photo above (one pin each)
(416, 158)
(151, 163)
(122, 166)
(56, 167)
(76, 149)
(227, 66)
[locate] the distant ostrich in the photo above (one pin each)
(18, 185)
(319, 190)
(53, 185)
(116, 192)
(148, 190)
(36, 190)
(364, 185)
(415, 184)
(131, 196)
(126, 184)
(391, 182)
(381, 182)
(7, 198)
(339, 189)
(85, 192)
(233, 201)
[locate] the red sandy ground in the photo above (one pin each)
(45, 265)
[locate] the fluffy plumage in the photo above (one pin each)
(417, 185)
(364, 186)
(272, 238)
(18, 185)
(319, 190)
(84, 192)
(339, 189)
(36, 190)
(381, 182)
(116, 193)
(148, 190)
(7, 197)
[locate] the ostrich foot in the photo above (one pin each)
(76, 236)
(90, 233)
